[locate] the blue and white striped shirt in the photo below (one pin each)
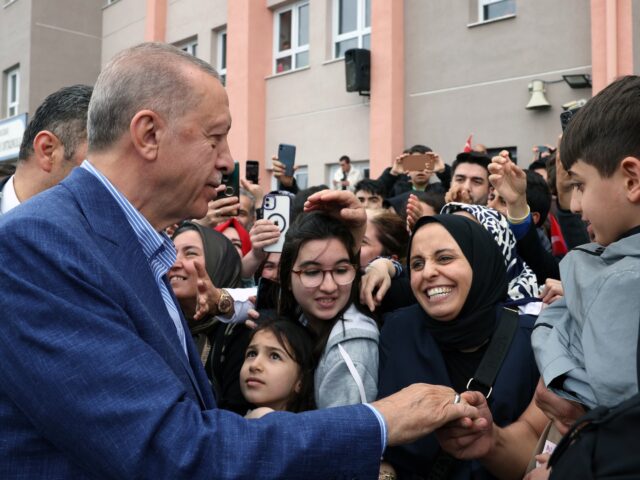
(157, 247)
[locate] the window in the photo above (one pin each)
(190, 47)
(222, 56)
(13, 91)
(291, 41)
(351, 25)
(302, 177)
(490, 9)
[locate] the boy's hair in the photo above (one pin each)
(431, 197)
(298, 343)
(297, 204)
(471, 157)
(538, 195)
(372, 186)
(418, 149)
(605, 130)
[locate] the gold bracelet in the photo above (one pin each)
(516, 221)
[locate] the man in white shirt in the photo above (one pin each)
(54, 142)
(347, 177)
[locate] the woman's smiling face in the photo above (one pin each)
(440, 273)
(326, 300)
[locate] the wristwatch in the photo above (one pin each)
(225, 303)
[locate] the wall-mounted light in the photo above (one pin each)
(578, 81)
(538, 100)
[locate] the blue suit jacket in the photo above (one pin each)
(94, 382)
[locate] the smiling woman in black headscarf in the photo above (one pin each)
(221, 346)
(458, 277)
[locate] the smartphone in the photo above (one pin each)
(419, 161)
(542, 149)
(287, 155)
(232, 182)
(565, 117)
(252, 171)
(267, 294)
(277, 208)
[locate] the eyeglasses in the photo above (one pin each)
(313, 277)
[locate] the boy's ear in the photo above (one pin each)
(630, 168)
(535, 216)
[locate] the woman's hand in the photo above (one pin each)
(220, 210)
(279, 169)
(552, 291)
(377, 278)
(457, 193)
(398, 168)
(510, 181)
(541, 472)
(254, 189)
(263, 233)
(259, 412)
(414, 212)
(468, 439)
(207, 294)
(563, 413)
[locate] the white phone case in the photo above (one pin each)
(277, 208)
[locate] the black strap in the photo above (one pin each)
(482, 381)
(491, 362)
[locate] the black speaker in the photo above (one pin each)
(357, 62)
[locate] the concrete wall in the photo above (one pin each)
(15, 49)
(635, 8)
(122, 26)
(201, 19)
(462, 80)
(66, 38)
(311, 109)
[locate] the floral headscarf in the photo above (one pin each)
(522, 281)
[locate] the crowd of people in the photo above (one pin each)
(439, 321)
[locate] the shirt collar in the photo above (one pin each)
(157, 246)
(8, 197)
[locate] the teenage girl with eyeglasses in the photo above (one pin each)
(320, 280)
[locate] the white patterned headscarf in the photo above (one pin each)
(522, 281)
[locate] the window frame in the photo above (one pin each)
(189, 46)
(221, 48)
(484, 3)
(359, 33)
(12, 72)
(295, 49)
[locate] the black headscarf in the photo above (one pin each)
(222, 262)
(476, 321)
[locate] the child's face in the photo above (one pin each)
(314, 263)
(602, 202)
(269, 376)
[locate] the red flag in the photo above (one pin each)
(558, 244)
(467, 146)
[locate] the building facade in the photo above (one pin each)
(440, 70)
(44, 45)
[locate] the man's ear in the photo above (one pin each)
(47, 148)
(146, 129)
(630, 169)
